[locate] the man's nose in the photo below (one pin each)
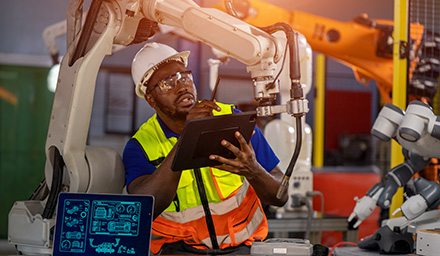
(180, 85)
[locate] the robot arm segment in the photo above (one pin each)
(237, 38)
(259, 49)
(387, 122)
(419, 119)
(366, 205)
(429, 195)
(49, 35)
(419, 131)
(399, 176)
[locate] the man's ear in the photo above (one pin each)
(150, 100)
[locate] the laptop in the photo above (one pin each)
(103, 224)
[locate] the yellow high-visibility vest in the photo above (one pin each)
(236, 210)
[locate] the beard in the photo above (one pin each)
(173, 112)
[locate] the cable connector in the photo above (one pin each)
(297, 107)
(283, 187)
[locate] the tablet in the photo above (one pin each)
(201, 138)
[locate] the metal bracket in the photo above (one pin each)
(403, 50)
(297, 107)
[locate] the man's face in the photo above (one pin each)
(177, 102)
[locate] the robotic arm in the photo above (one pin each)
(255, 47)
(381, 194)
(71, 166)
(428, 197)
(417, 131)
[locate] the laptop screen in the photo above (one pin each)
(103, 224)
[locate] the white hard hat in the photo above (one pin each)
(149, 59)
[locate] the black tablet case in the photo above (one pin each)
(202, 137)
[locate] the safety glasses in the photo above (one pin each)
(169, 83)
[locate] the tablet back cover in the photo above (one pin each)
(202, 137)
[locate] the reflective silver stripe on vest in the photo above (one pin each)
(242, 235)
(251, 227)
(197, 212)
(154, 237)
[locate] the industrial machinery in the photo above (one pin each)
(418, 132)
(365, 45)
(280, 133)
(71, 166)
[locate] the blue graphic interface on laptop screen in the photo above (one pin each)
(103, 224)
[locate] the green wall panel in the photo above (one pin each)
(25, 106)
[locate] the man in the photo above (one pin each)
(221, 215)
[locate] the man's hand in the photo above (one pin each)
(202, 109)
(265, 183)
(244, 164)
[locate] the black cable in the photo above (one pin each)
(57, 181)
(272, 85)
(297, 147)
(89, 24)
(296, 93)
(295, 73)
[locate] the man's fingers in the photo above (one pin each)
(228, 162)
(236, 151)
(243, 145)
(209, 104)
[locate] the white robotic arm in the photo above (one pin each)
(71, 166)
(428, 197)
(118, 22)
(259, 50)
(417, 131)
(366, 205)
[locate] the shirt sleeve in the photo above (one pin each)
(263, 152)
(135, 162)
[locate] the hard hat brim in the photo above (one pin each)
(141, 86)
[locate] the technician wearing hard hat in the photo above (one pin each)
(228, 217)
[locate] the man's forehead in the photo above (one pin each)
(168, 69)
